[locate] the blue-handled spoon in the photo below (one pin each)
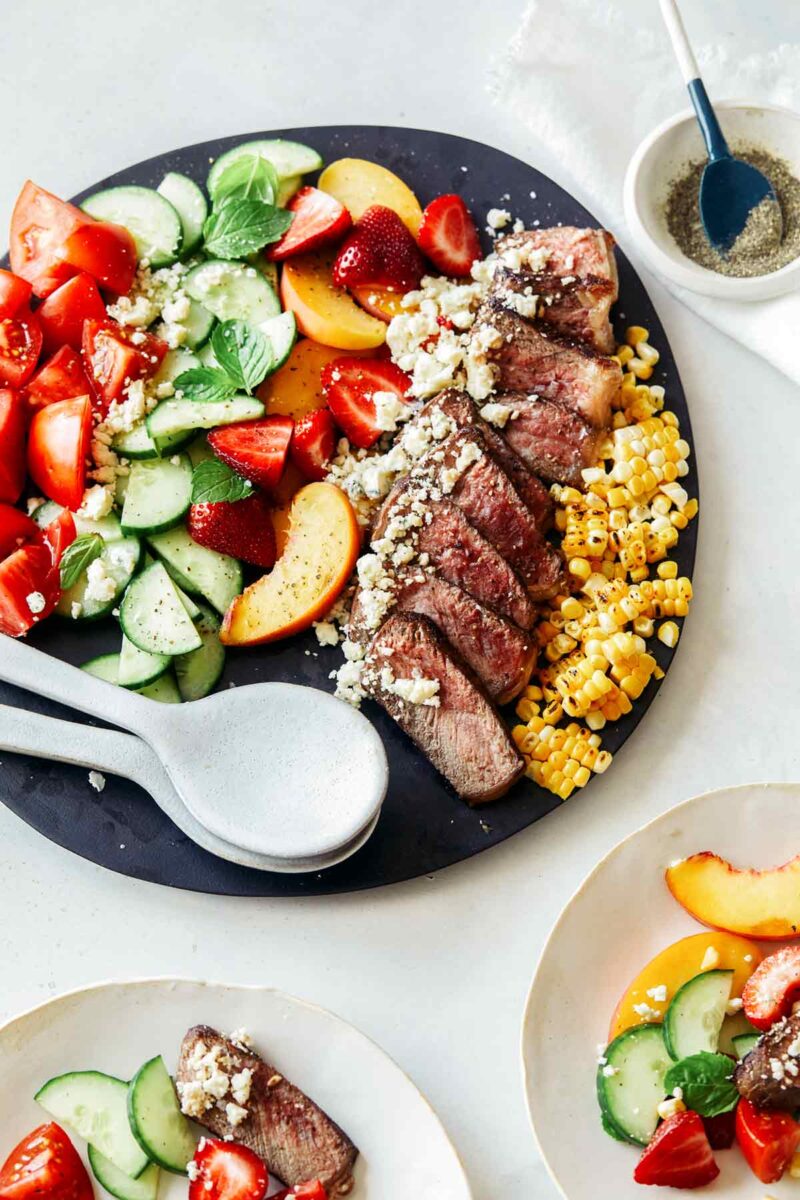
(729, 189)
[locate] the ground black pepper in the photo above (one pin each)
(747, 256)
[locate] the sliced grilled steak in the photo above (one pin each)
(496, 649)
(461, 555)
(464, 468)
(769, 1075)
(293, 1136)
(552, 441)
(463, 413)
(458, 729)
(562, 250)
(530, 358)
(575, 307)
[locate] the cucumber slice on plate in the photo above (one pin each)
(190, 204)
(95, 1106)
(694, 1018)
(98, 589)
(744, 1043)
(207, 356)
(156, 1120)
(121, 1185)
(106, 666)
(198, 673)
(288, 158)
(231, 290)
(266, 268)
(733, 1027)
(159, 494)
(154, 618)
(136, 443)
(216, 577)
(154, 223)
(282, 333)
(198, 325)
(138, 668)
(287, 188)
(629, 1095)
(164, 690)
(174, 363)
(199, 450)
(178, 416)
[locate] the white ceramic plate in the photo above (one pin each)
(621, 916)
(115, 1027)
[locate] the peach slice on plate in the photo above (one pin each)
(759, 904)
(324, 312)
(680, 962)
(358, 184)
(295, 388)
(381, 302)
(320, 552)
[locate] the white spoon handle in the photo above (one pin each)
(24, 732)
(680, 42)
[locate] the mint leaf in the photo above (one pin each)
(214, 481)
(243, 352)
(206, 385)
(77, 556)
(249, 177)
(707, 1083)
(239, 227)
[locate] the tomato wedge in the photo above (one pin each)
(114, 355)
(62, 314)
(20, 345)
(58, 443)
(60, 533)
(30, 585)
(61, 378)
(13, 419)
(767, 1139)
(45, 1166)
(105, 251)
(40, 225)
(15, 530)
(15, 293)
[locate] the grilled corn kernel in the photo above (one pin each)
(668, 633)
(636, 333)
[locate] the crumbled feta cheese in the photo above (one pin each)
(734, 1005)
(609, 1072)
(417, 690)
(497, 218)
(100, 586)
(242, 1038)
(35, 602)
(659, 993)
(389, 411)
(241, 1084)
(235, 1114)
(670, 1108)
(327, 633)
(192, 1170)
(76, 608)
(646, 1012)
(496, 414)
(97, 502)
(97, 781)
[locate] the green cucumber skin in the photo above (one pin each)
(673, 1018)
(66, 1079)
(119, 1185)
(140, 1079)
(611, 1121)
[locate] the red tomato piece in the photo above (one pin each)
(15, 530)
(678, 1155)
(45, 1166)
(107, 252)
(62, 314)
(13, 420)
(114, 355)
(40, 225)
(61, 378)
(313, 1190)
(314, 443)
(255, 449)
(773, 987)
(767, 1138)
(30, 585)
(60, 533)
(58, 443)
(15, 293)
(20, 345)
(318, 219)
(350, 385)
(226, 1171)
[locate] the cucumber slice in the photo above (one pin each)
(694, 1018)
(95, 1106)
(175, 362)
(199, 673)
(178, 416)
(137, 668)
(136, 443)
(744, 1043)
(108, 527)
(154, 618)
(216, 577)
(734, 1027)
(119, 561)
(629, 1096)
(199, 450)
(164, 690)
(190, 204)
(207, 356)
(231, 290)
(121, 1185)
(154, 223)
(156, 1120)
(106, 666)
(288, 158)
(266, 268)
(287, 188)
(282, 333)
(159, 494)
(198, 325)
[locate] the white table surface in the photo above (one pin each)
(437, 970)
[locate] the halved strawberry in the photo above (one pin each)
(313, 1190)
(318, 219)
(380, 250)
(678, 1155)
(350, 385)
(313, 443)
(448, 236)
(227, 1171)
(242, 528)
(773, 987)
(255, 449)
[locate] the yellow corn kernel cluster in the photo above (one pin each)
(557, 759)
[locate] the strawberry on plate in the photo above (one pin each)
(773, 987)
(318, 219)
(448, 237)
(351, 386)
(679, 1155)
(313, 1190)
(313, 443)
(381, 251)
(255, 449)
(226, 1171)
(242, 528)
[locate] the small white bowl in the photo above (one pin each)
(661, 157)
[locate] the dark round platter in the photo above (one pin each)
(424, 826)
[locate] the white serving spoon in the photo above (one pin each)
(108, 750)
(276, 768)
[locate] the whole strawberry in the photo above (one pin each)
(241, 528)
(379, 251)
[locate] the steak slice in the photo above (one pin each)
(769, 1076)
(530, 358)
(463, 413)
(497, 650)
(293, 1136)
(577, 307)
(461, 555)
(562, 250)
(465, 469)
(552, 441)
(457, 728)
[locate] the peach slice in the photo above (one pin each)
(282, 496)
(357, 184)
(324, 312)
(295, 389)
(320, 553)
(383, 303)
(675, 966)
(759, 904)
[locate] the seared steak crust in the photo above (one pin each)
(565, 250)
(575, 307)
(552, 441)
(769, 1076)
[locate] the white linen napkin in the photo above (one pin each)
(590, 78)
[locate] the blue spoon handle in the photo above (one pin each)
(707, 119)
